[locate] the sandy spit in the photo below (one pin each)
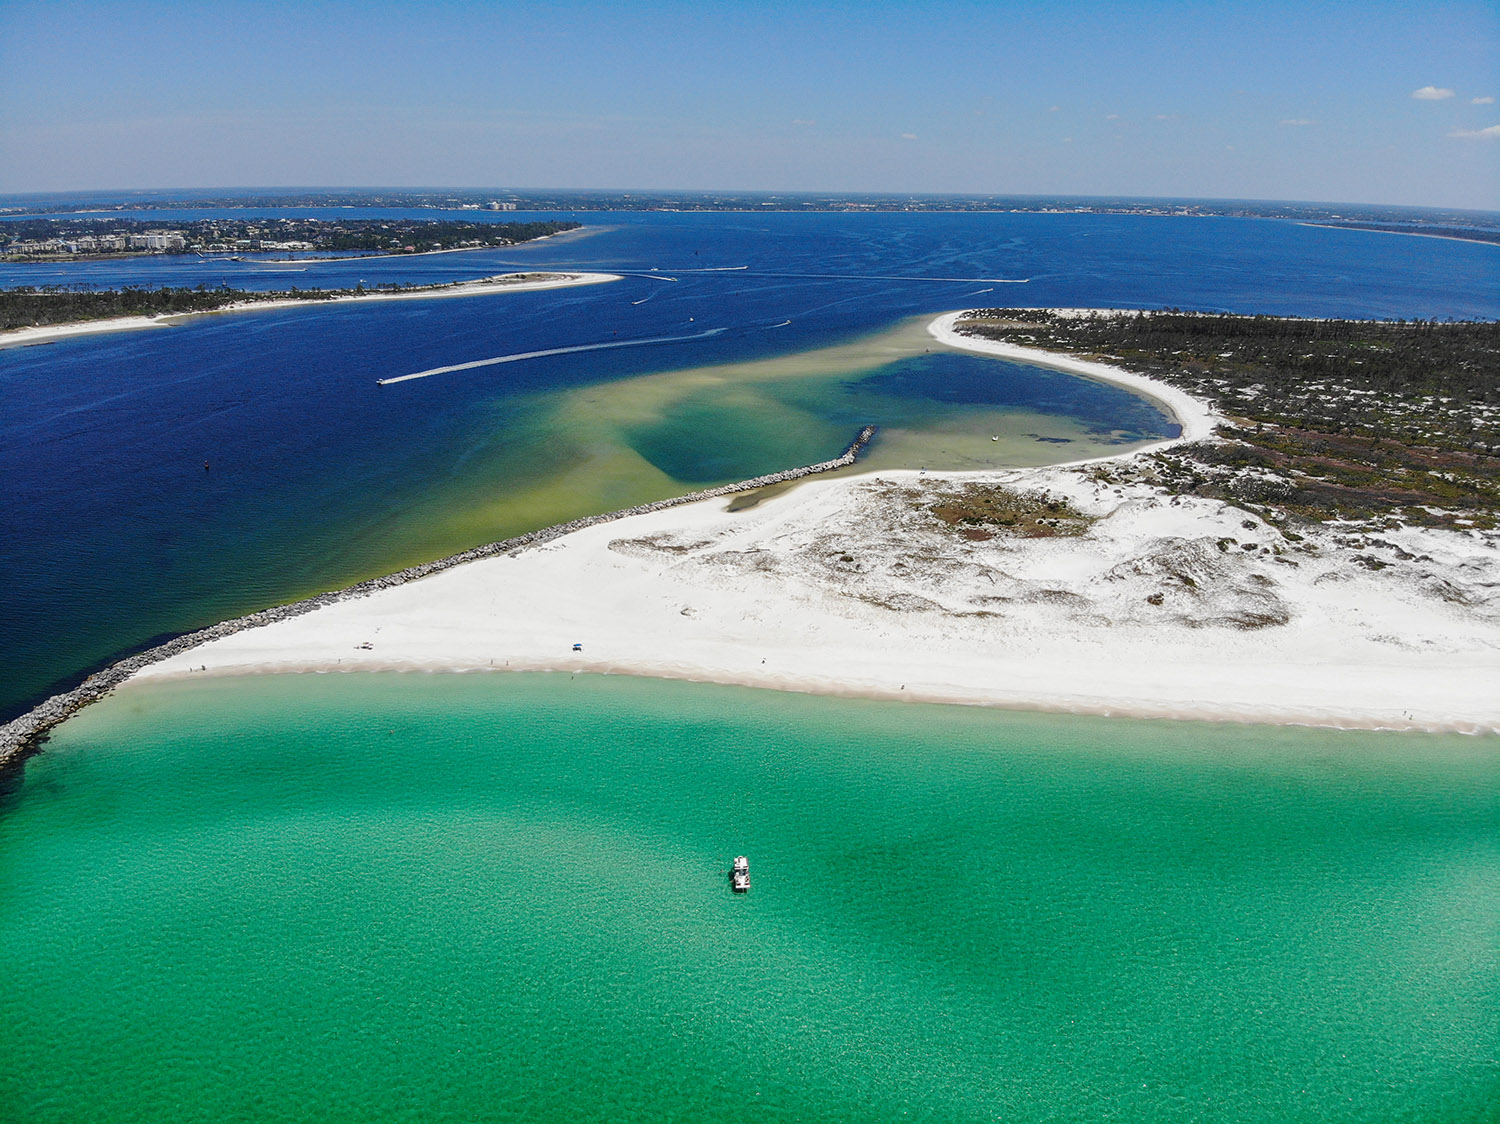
(1166, 606)
(21, 337)
(1196, 418)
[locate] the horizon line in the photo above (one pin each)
(747, 192)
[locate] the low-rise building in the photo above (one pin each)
(158, 240)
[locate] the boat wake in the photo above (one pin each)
(519, 356)
(882, 277)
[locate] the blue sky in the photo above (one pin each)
(1270, 100)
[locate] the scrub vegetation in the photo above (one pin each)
(980, 511)
(1327, 419)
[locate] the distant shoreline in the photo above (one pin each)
(357, 256)
(239, 258)
(1408, 233)
(501, 283)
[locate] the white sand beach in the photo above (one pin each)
(1163, 606)
(486, 286)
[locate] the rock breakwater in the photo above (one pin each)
(25, 734)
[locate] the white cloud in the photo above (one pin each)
(1165, 117)
(1481, 101)
(1111, 116)
(1298, 121)
(1491, 133)
(1431, 93)
(908, 136)
(1053, 108)
(800, 121)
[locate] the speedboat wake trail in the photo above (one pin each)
(521, 355)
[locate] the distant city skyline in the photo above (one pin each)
(1382, 103)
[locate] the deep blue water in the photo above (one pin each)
(1272, 266)
(115, 533)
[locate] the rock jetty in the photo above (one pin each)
(25, 734)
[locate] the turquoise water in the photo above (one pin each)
(462, 898)
(365, 898)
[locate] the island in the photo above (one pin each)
(30, 315)
(1307, 550)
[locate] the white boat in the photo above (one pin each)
(739, 877)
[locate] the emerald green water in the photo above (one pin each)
(465, 898)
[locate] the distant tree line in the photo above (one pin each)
(30, 306)
(1463, 233)
(1285, 359)
(1328, 418)
(368, 235)
(761, 201)
(427, 236)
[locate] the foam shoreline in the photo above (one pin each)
(47, 333)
